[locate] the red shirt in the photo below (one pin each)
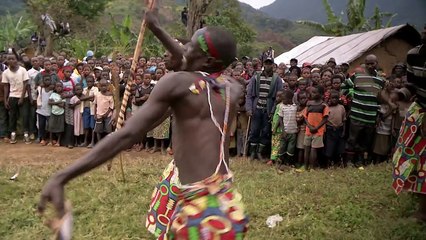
(60, 73)
(314, 114)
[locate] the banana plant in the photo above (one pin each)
(357, 21)
(121, 36)
(13, 30)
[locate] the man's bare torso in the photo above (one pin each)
(196, 140)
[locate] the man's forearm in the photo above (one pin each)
(169, 43)
(30, 96)
(26, 90)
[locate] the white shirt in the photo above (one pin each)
(16, 81)
(32, 74)
(43, 107)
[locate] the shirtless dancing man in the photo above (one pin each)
(203, 103)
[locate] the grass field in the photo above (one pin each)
(324, 204)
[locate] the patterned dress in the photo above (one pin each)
(276, 137)
(410, 157)
(162, 131)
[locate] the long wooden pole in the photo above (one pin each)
(130, 81)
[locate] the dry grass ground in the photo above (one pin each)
(324, 204)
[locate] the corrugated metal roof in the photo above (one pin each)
(344, 49)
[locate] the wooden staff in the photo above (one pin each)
(127, 92)
(247, 136)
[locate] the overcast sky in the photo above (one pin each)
(257, 3)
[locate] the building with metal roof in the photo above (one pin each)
(390, 45)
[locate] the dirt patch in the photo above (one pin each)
(35, 154)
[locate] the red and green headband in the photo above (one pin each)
(206, 44)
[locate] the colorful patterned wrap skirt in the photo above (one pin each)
(163, 203)
(210, 210)
(409, 158)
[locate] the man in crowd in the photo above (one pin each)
(4, 114)
(260, 104)
(16, 97)
(33, 72)
(364, 109)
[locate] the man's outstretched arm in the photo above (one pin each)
(161, 97)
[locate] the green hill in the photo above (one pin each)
(409, 11)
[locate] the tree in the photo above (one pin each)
(13, 30)
(377, 18)
(196, 12)
(227, 14)
(356, 20)
(76, 12)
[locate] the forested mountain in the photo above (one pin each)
(409, 11)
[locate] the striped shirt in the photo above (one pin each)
(264, 86)
(365, 103)
(288, 113)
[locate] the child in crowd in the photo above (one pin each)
(335, 130)
(57, 116)
(87, 109)
(336, 82)
(288, 123)
(326, 76)
(142, 91)
(104, 105)
(67, 94)
(87, 70)
(315, 77)
(292, 82)
(43, 108)
(77, 73)
(141, 96)
(302, 99)
(276, 130)
(403, 98)
(242, 118)
(302, 85)
(316, 115)
(143, 88)
(306, 75)
(382, 139)
(161, 132)
(77, 105)
(136, 102)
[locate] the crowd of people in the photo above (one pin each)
(297, 115)
(321, 114)
(69, 103)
